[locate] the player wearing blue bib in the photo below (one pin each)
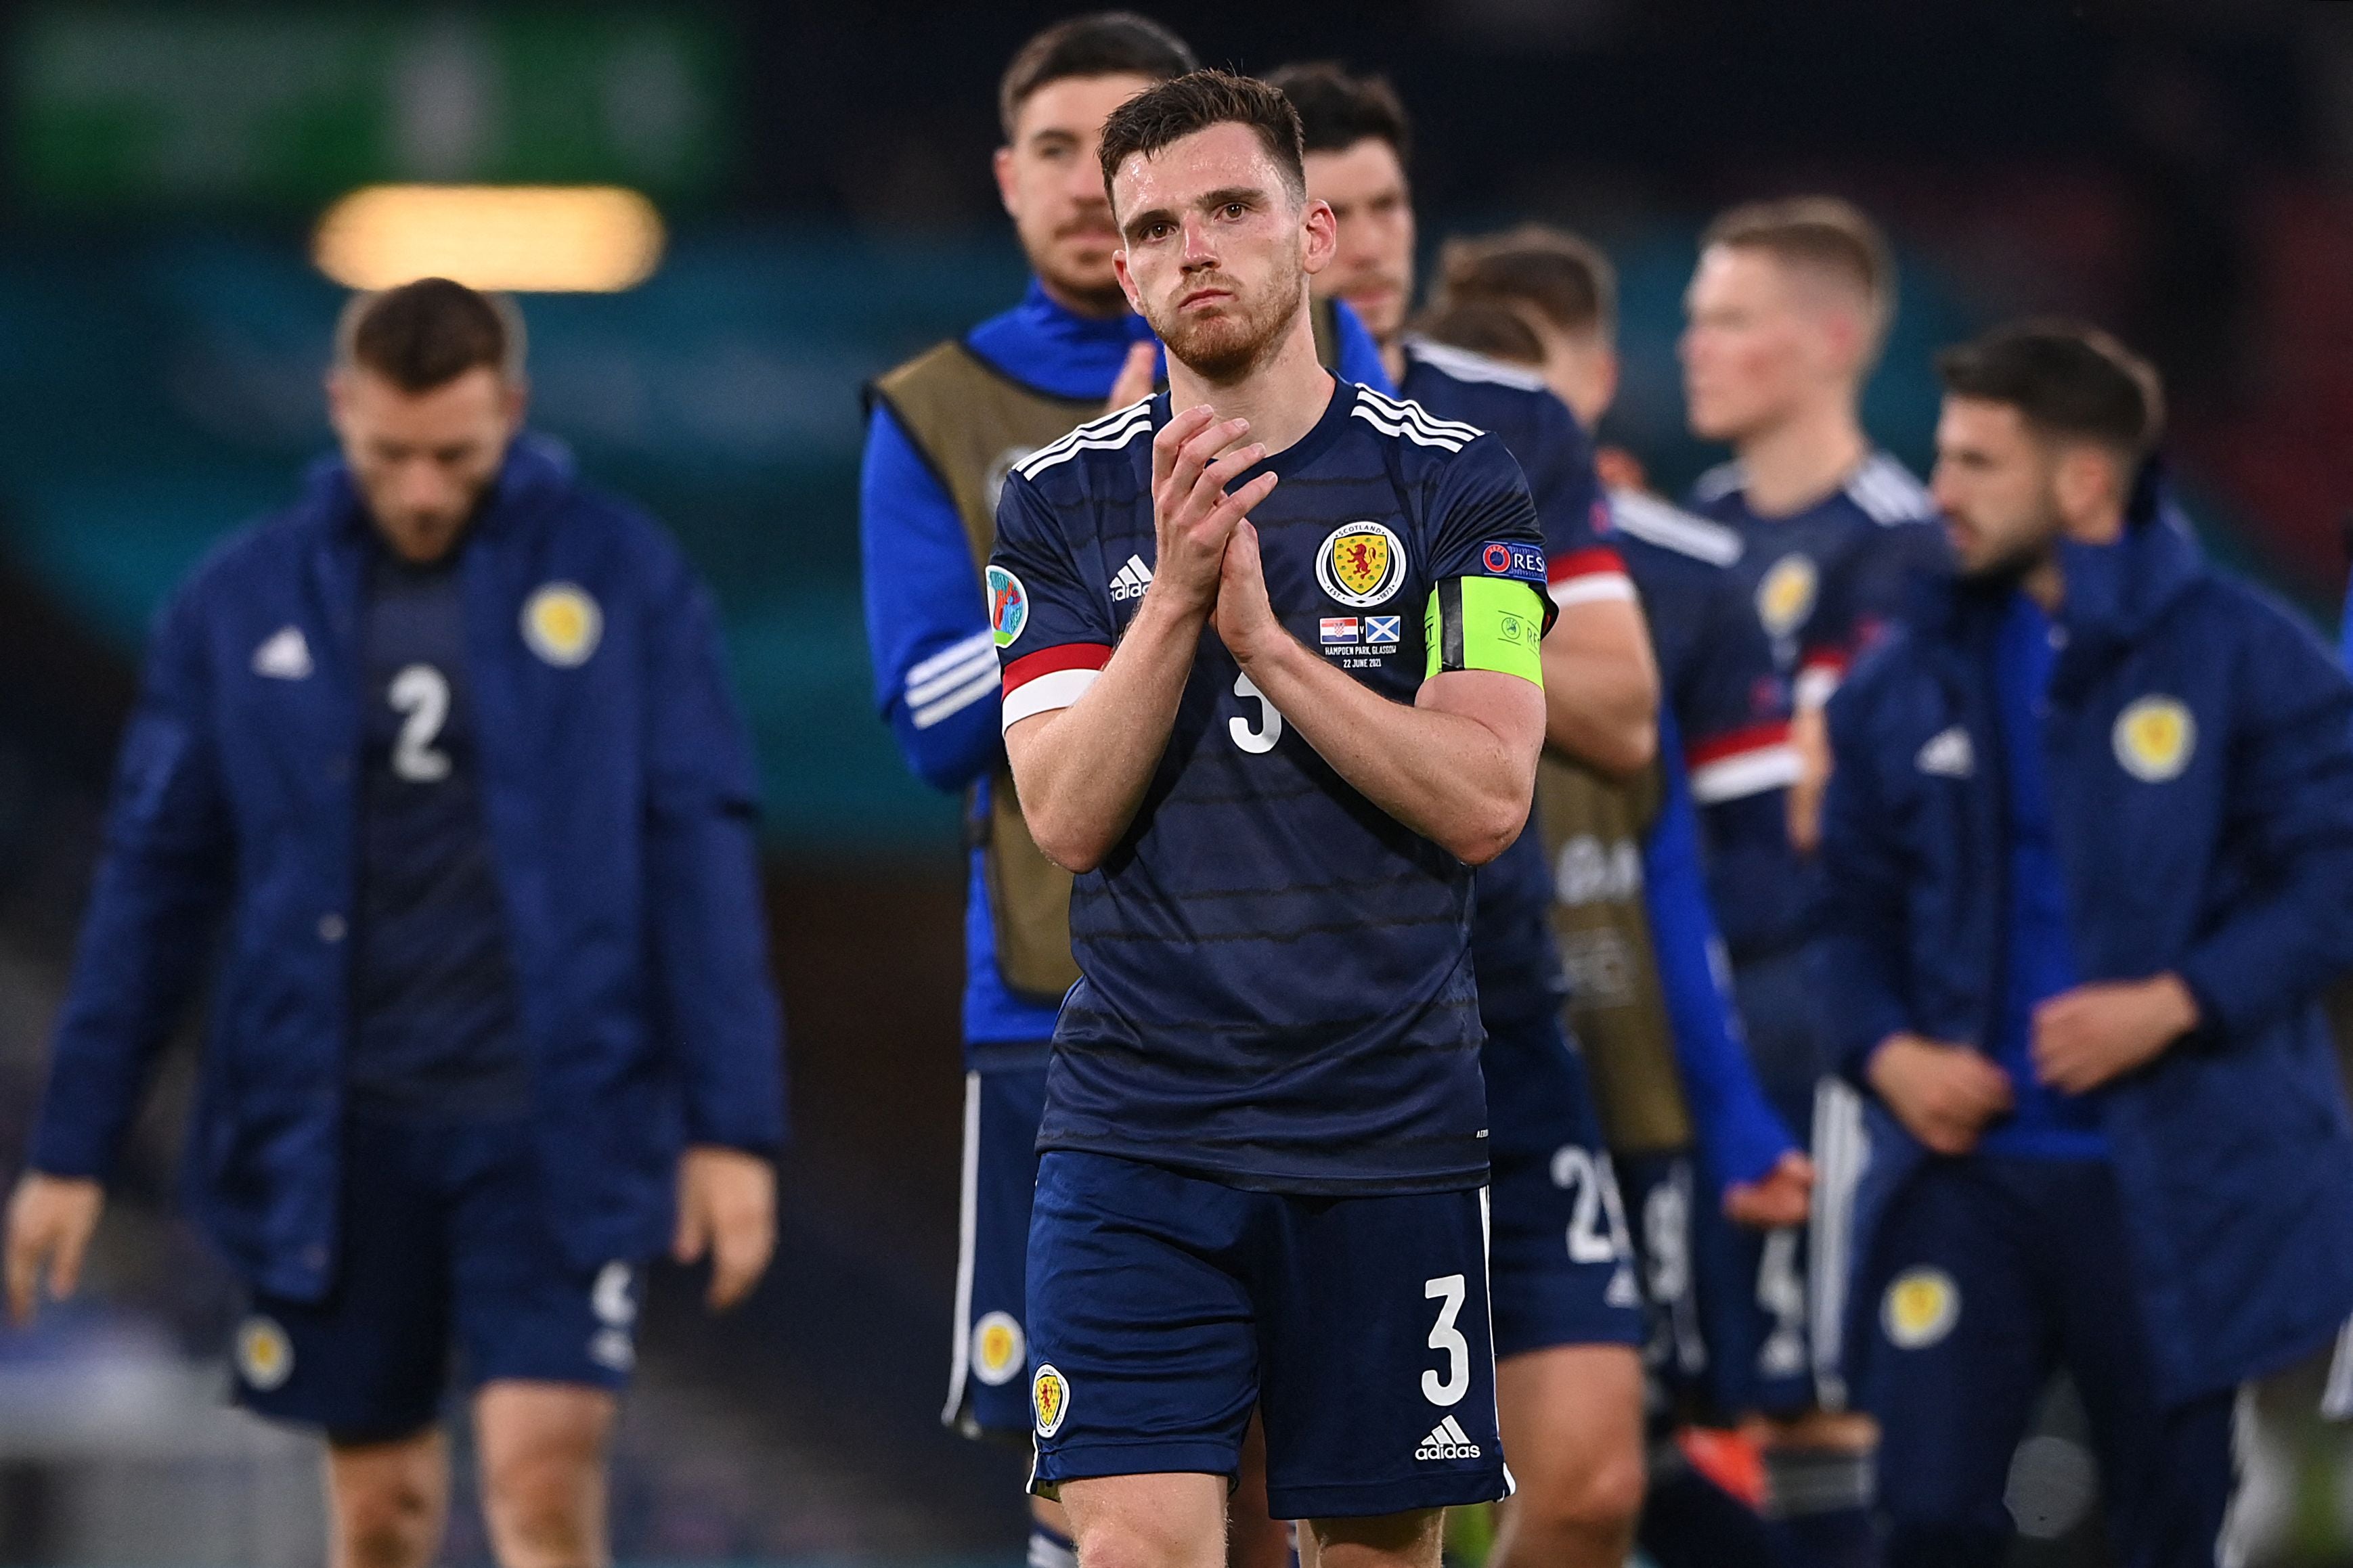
(1263, 1143)
(1565, 1298)
(461, 1080)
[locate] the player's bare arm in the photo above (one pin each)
(1458, 767)
(1083, 769)
(1601, 686)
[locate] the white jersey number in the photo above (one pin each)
(420, 694)
(1597, 1222)
(1452, 1289)
(1261, 740)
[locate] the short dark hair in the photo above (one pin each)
(1483, 326)
(2066, 380)
(1158, 116)
(426, 335)
(1823, 234)
(1104, 43)
(1562, 277)
(1337, 109)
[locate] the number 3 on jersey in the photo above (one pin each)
(420, 694)
(1261, 738)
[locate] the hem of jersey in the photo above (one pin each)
(1403, 1494)
(1087, 1461)
(1526, 1020)
(1559, 1336)
(1023, 1053)
(1464, 1180)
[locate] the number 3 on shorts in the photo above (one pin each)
(1446, 1337)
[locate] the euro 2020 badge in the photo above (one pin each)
(1008, 607)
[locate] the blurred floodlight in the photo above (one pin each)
(535, 239)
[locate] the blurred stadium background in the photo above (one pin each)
(792, 199)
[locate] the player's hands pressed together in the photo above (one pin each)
(1194, 458)
(1245, 618)
(1775, 1199)
(2094, 1034)
(1943, 1093)
(50, 1219)
(727, 1209)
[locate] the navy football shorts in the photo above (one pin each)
(1988, 1273)
(1165, 1307)
(988, 1391)
(1562, 1270)
(447, 1247)
(1755, 1295)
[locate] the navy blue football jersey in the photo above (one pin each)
(1276, 983)
(437, 1026)
(1824, 580)
(1512, 946)
(1717, 677)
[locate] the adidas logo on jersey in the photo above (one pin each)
(1447, 1440)
(1133, 580)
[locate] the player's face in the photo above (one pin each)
(1053, 188)
(1754, 346)
(1218, 248)
(1364, 185)
(422, 461)
(1996, 484)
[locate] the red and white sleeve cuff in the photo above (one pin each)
(1744, 763)
(1051, 677)
(1589, 576)
(1818, 677)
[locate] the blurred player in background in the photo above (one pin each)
(943, 430)
(1787, 312)
(1649, 1003)
(2090, 854)
(462, 1080)
(1566, 1303)
(1264, 1128)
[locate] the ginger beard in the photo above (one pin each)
(1223, 340)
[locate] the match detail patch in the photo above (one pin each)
(1361, 564)
(1484, 622)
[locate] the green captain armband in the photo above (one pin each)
(1484, 622)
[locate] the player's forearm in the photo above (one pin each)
(1449, 778)
(1601, 687)
(1082, 770)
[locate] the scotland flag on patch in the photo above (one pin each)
(1383, 629)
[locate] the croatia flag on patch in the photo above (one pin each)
(1339, 629)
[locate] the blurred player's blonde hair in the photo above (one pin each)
(1828, 236)
(428, 333)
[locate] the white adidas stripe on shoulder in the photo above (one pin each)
(1888, 492)
(1724, 480)
(1654, 522)
(1407, 431)
(1113, 431)
(1409, 411)
(1465, 365)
